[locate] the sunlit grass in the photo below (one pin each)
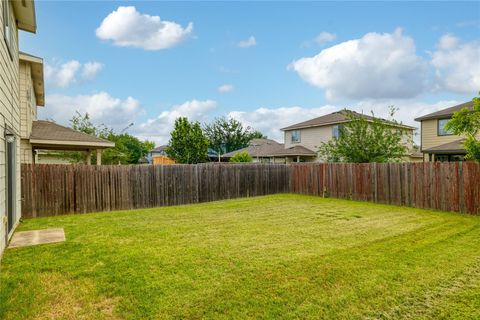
(283, 256)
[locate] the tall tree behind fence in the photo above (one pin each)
(61, 189)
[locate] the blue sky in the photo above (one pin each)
(268, 64)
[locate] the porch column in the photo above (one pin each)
(99, 157)
(89, 157)
(35, 155)
(298, 158)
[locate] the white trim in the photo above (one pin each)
(106, 144)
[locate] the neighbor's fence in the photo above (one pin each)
(61, 189)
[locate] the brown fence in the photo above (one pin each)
(453, 186)
(61, 189)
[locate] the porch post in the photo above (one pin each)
(35, 151)
(99, 157)
(89, 157)
(298, 158)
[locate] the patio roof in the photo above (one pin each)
(49, 135)
(451, 147)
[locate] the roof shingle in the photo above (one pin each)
(337, 117)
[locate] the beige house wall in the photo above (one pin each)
(430, 138)
(310, 138)
(9, 115)
(26, 152)
(28, 111)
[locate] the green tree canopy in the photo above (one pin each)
(128, 149)
(241, 157)
(227, 134)
(361, 140)
(187, 143)
(466, 122)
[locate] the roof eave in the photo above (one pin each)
(45, 142)
(36, 64)
(25, 15)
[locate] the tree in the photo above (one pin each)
(241, 157)
(361, 140)
(466, 122)
(187, 142)
(227, 134)
(128, 149)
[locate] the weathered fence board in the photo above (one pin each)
(62, 189)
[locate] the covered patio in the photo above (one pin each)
(49, 136)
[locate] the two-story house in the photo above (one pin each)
(311, 133)
(15, 15)
(437, 143)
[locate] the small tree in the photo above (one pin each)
(361, 140)
(227, 134)
(187, 143)
(241, 157)
(466, 122)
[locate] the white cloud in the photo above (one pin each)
(62, 75)
(270, 120)
(68, 73)
(225, 88)
(374, 66)
(102, 108)
(324, 37)
(158, 129)
(251, 41)
(91, 69)
(457, 65)
(127, 27)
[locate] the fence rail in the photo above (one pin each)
(62, 189)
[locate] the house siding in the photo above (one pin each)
(310, 138)
(9, 116)
(430, 137)
(28, 111)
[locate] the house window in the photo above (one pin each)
(7, 27)
(336, 130)
(441, 131)
(295, 136)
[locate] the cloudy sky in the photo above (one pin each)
(268, 64)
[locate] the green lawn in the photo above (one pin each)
(283, 256)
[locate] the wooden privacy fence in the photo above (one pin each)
(451, 186)
(61, 189)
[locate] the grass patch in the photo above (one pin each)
(282, 256)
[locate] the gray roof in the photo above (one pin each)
(451, 147)
(49, 131)
(160, 149)
(337, 117)
(445, 113)
(271, 148)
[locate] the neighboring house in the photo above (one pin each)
(437, 143)
(159, 156)
(15, 15)
(270, 151)
(41, 140)
(311, 133)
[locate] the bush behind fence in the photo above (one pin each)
(49, 190)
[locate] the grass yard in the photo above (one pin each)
(282, 256)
